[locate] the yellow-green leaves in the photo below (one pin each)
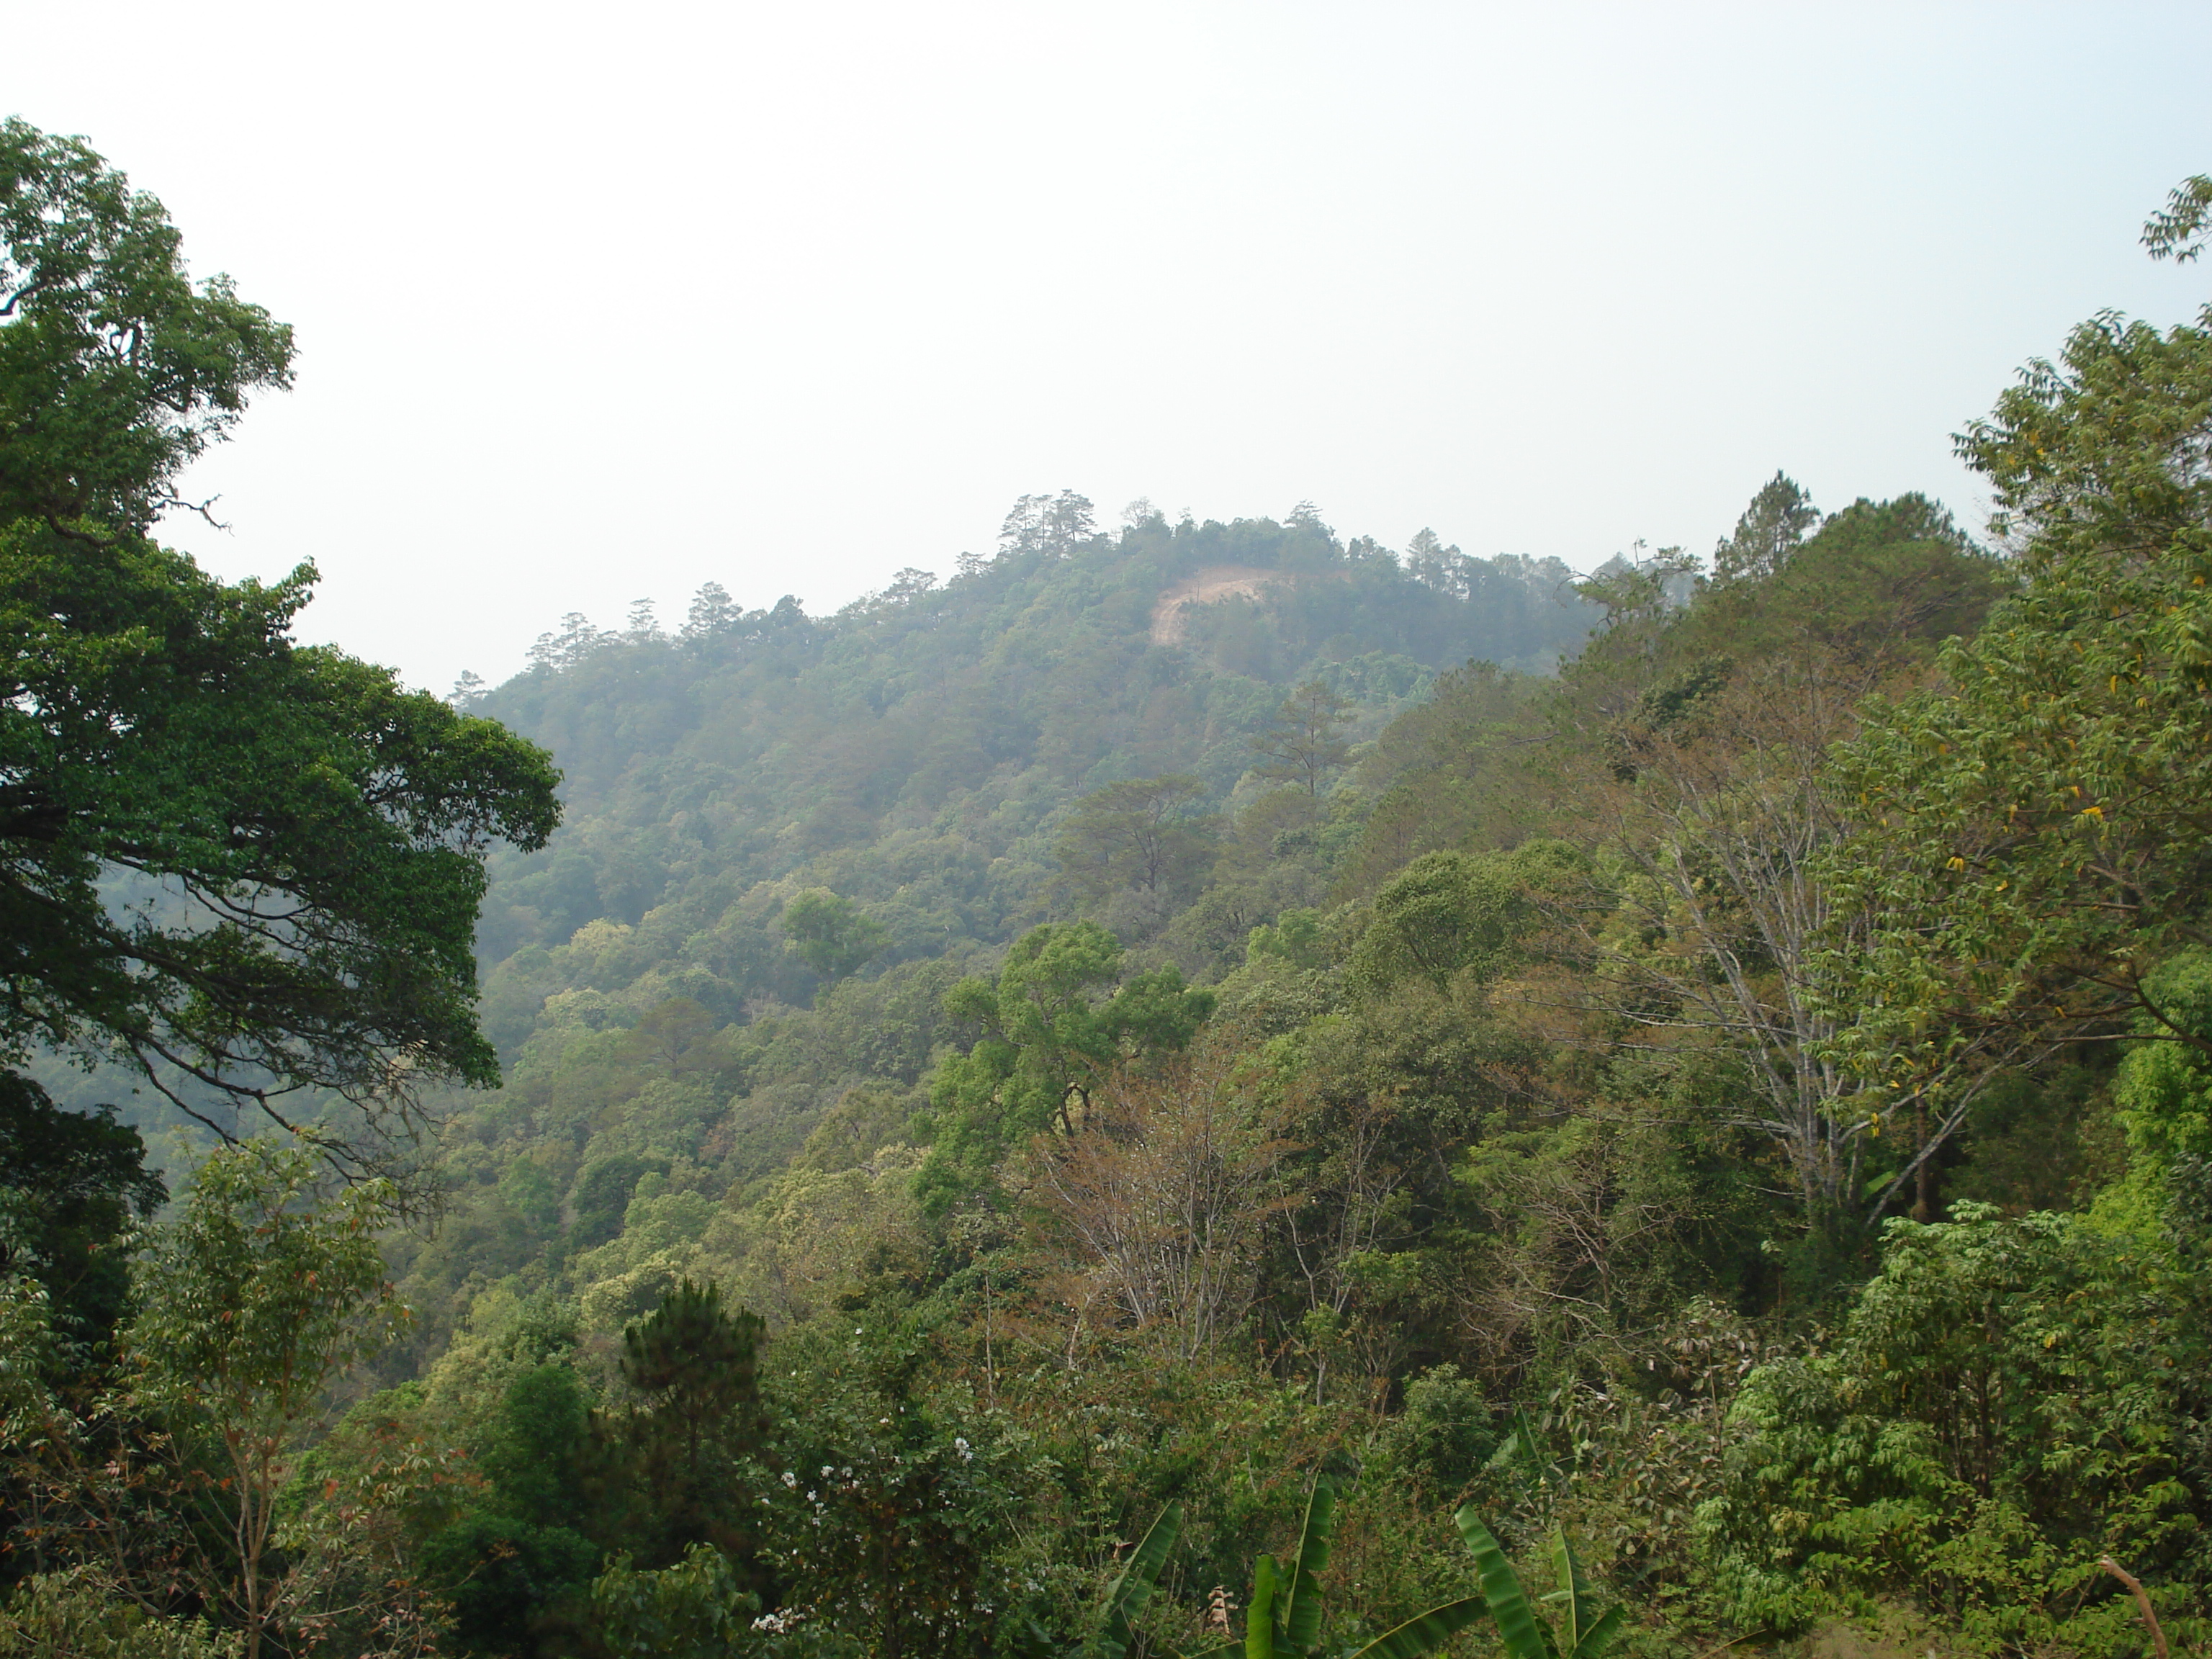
(2068, 822)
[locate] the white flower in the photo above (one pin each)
(960, 1446)
(791, 1480)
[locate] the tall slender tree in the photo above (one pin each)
(1304, 743)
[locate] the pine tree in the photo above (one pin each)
(1772, 528)
(1305, 744)
(665, 1472)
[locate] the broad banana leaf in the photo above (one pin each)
(1260, 1617)
(1134, 1586)
(1424, 1630)
(1525, 1635)
(1600, 1635)
(1589, 1633)
(1301, 1600)
(1573, 1592)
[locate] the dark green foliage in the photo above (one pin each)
(1769, 534)
(696, 1609)
(888, 1512)
(530, 1449)
(2041, 1139)
(78, 1613)
(666, 1470)
(1445, 1432)
(1881, 583)
(513, 1584)
(2176, 231)
(116, 369)
(1664, 707)
(161, 723)
(72, 1184)
(602, 1193)
(242, 866)
(2164, 1090)
(1881, 586)
(1052, 1021)
(1450, 913)
(517, 1562)
(1126, 1597)
(2001, 1409)
(72, 1187)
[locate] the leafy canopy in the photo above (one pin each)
(71, 1185)
(1140, 833)
(244, 867)
(2037, 830)
(116, 369)
(262, 1294)
(830, 934)
(666, 1469)
(1050, 1027)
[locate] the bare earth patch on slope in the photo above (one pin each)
(1219, 582)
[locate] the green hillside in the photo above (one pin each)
(919, 757)
(916, 749)
(1202, 1057)
(886, 963)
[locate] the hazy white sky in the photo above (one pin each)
(597, 302)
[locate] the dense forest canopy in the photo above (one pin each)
(1193, 1079)
(964, 715)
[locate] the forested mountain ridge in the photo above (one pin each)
(776, 1003)
(1140, 1041)
(916, 752)
(912, 768)
(1498, 1038)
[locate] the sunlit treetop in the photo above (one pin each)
(116, 368)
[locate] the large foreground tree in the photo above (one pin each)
(247, 869)
(2037, 832)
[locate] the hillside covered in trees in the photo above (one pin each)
(1689, 1083)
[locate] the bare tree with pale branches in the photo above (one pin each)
(1163, 1196)
(1719, 930)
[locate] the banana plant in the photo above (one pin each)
(1131, 1588)
(1282, 1620)
(1584, 1633)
